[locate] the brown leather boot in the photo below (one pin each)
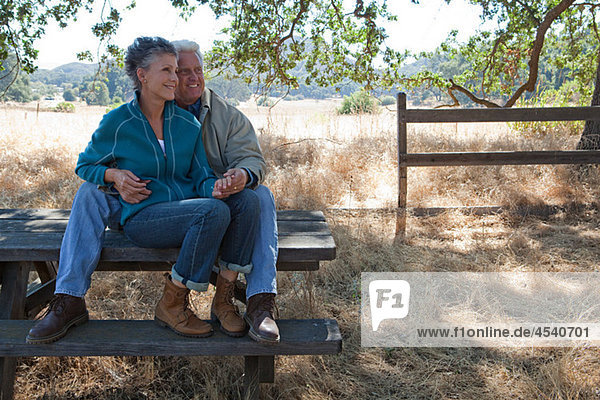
(172, 311)
(225, 311)
(63, 312)
(259, 316)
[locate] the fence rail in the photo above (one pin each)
(405, 159)
(500, 114)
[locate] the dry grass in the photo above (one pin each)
(323, 161)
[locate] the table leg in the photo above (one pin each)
(12, 306)
(267, 369)
(251, 378)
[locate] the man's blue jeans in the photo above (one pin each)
(93, 211)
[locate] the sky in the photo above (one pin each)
(419, 27)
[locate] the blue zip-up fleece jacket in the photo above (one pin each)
(125, 136)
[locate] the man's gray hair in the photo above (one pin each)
(188, 45)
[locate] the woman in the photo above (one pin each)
(154, 142)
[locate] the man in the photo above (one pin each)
(233, 152)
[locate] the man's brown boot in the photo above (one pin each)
(63, 312)
(172, 311)
(225, 311)
(259, 315)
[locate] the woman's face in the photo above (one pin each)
(159, 80)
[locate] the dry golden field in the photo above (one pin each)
(344, 165)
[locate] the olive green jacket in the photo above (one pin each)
(229, 138)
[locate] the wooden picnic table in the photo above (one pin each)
(30, 241)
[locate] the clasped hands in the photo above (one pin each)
(133, 189)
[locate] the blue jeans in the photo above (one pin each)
(93, 211)
(263, 278)
(199, 226)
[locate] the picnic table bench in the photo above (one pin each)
(30, 240)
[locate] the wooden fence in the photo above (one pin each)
(405, 159)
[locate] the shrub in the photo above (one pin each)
(69, 95)
(65, 107)
(358, 103)
(563, 97)
(388, 100)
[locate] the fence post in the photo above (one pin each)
(402, 171)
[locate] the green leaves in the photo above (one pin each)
(268, 42)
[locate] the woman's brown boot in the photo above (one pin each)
(225, 311)
(172, 311)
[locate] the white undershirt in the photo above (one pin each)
(162, 146)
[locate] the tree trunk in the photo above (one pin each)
(590, 137)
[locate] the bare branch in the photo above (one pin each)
(538, 44)
(470, 95)
(454, 99)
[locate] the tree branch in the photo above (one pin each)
(470, 95)
(538, 44)
(490, 61)
(290, 35)
(455, 103)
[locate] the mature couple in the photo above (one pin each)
(175, 167)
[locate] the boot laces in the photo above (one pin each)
(56, 304)
(229, 293)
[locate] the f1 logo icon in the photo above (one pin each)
(389, 299)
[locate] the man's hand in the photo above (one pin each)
(237, 179)
(233, 181)
(131, 188)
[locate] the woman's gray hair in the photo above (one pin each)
(188, 45)
(143, 52)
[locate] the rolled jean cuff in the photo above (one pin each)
(69, 292)
(197, 286)
(227, 266)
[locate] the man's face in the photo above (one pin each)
(191, 79)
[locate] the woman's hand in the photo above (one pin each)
(131, 188)
(219, 190)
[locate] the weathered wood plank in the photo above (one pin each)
(503, 114)
(38, 297)
(166, 266)
(501, 158)
(8, 368)
(251, 378)
(266, 365)
(285, 227)
(300, 215)
(402, 169)
(60, 214)
(13, 289)
(46, 270)
(12, 305)
(146, 338)
(33, 213)
(45, 246)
